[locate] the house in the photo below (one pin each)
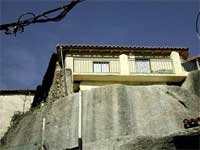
(13, 101)
(192, 63)
(76, 67)
(93, 66)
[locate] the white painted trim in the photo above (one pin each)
(80, 116)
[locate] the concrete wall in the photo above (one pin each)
(9, 104)
(113, 113)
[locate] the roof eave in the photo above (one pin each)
(118, 49)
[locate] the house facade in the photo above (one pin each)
(192, 63)
(93, 66)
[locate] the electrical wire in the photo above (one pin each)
(197, 27)
(13, 28)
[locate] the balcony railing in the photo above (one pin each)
(152, 66)
(112, 66)
(97, 66)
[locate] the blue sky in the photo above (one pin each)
(160, 23)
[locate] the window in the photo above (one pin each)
(100, 66)
(142, 66)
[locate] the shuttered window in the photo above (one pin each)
(142, 66)
(100, 66)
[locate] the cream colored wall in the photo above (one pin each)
(176, 61)
(87, 85)
(124, 65)
(94, 81)
(9, 104)
(69, 63)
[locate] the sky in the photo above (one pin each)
(159, 23)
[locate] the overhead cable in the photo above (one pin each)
(13, 28)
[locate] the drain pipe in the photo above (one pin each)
(63, 70)
(43, 132)
(80, 144)
(197, 63)
(42, 146)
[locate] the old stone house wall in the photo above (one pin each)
(57, 88)
(53, 85)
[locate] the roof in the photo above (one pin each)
(192, 58)
(122, 49)
(17, 91)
